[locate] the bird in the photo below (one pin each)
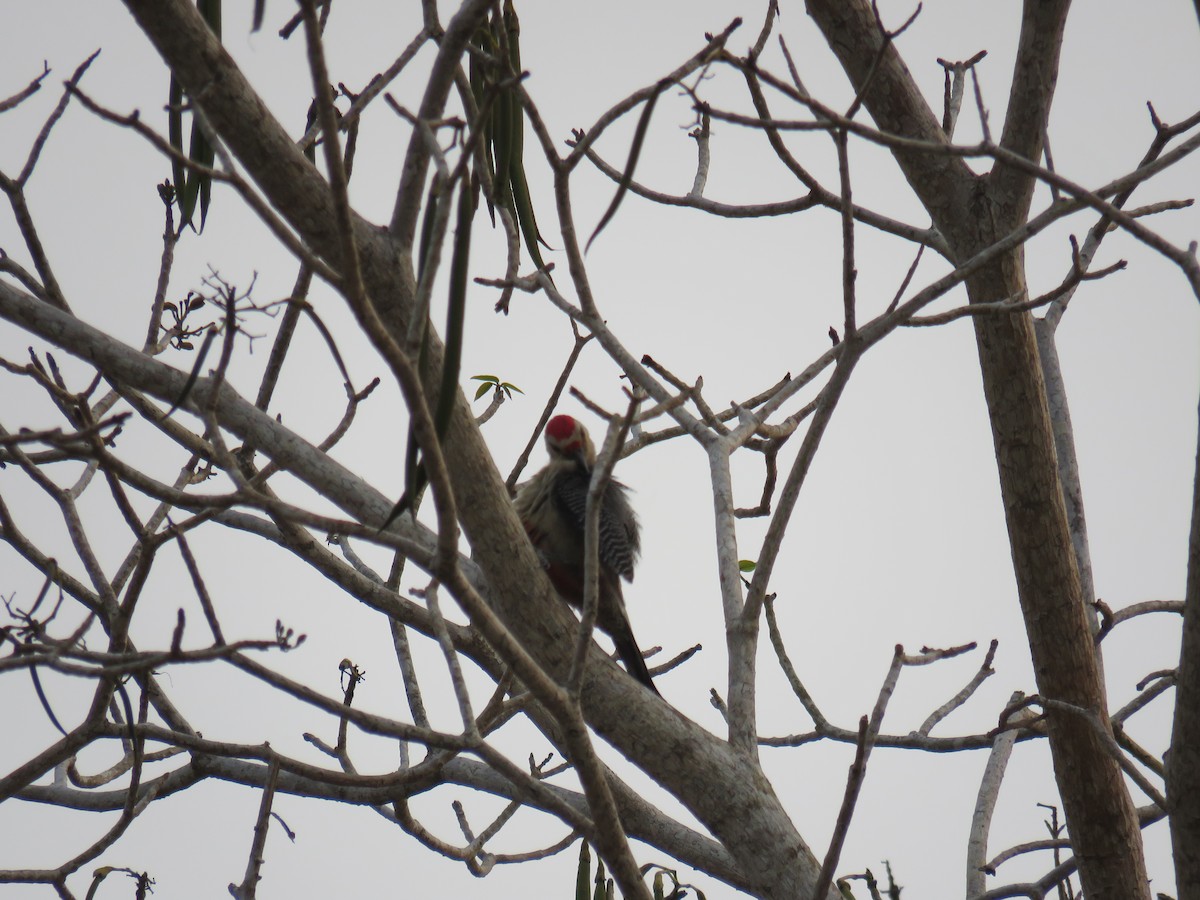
(552, 506)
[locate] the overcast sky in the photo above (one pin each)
(898, 537)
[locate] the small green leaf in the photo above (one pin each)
(491, 379)
(483, 389)
(509, 386)
(746, 565)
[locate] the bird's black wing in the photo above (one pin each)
(619, 543)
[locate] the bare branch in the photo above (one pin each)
(248, 889)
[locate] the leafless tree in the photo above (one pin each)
(131, 419)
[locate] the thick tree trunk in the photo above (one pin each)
(1100, 813)
(1183, 770)
(972, 212)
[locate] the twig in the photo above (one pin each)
(442, 633)
(601, 475)
(26, 92)
(247, 890)
(702, 137)
(985, 806)
(281, 231)
(854, 780)
(785, 663)
(985, 672)
(548, 409)
(206, 603)
(1004, 856)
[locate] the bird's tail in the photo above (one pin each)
(614, 621)
(631, 655)
(611, 616)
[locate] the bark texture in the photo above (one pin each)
(724, 789)
(972, 212)
(1183, 771)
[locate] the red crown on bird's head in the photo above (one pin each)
(561, 427)
(565, 433)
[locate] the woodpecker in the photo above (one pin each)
(553, 508)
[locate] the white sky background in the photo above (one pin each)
(899, 534)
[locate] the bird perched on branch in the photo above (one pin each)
(553, 507)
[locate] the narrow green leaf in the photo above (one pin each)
(599, 892)
(200, 153)
(525, 217)
(210, 11)
(489, 378)
(475, 68)
(414, 479)
(479, 90)
(747, 565)
(483, 389)
(326, 334)
(512, 25)
(192, 186)
(635, 150)
(508, 136)
(194, 375)
(310, 119)
(175, 136)
(205, 197)
(518, 185)
(414, 469)
(584, 873)
(45, 701)
(456, 314)
(512, 28)
(502, 144)
(427, 223)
